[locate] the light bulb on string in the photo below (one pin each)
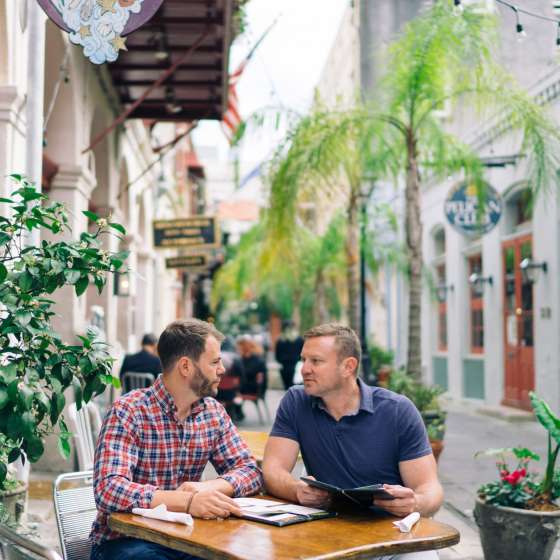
(520, 30)
(457, 7)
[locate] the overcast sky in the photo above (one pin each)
(284, 70)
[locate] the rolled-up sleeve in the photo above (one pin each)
(233, 461)
(116, 456)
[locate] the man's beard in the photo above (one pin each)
(201, 385)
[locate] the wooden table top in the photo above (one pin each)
(349, 536)
(256, 442)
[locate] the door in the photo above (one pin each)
(518, 325)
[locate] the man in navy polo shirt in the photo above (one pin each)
(349, 434)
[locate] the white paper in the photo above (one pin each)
(160, 512)
(405, 525)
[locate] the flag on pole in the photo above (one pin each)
(231, 121)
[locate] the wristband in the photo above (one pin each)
(189, 500)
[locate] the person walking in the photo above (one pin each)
(287, 353)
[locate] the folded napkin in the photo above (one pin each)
(160, 512)
(405, 525)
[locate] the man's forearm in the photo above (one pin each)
(280, 483)
(175, 500)
(429, 499)
(219, 484)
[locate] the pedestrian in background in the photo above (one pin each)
(287, 353)
(145, 361)
(255, 373)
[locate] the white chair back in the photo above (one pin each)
(80, 425)
(75, 511)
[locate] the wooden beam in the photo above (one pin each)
(194, 84)
(128, 66)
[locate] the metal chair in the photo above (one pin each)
(75, 511)
(80, 426)
(137, 380)
(13, 546)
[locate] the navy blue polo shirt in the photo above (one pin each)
(364, 447)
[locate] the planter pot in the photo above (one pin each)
(437, 448)
(516, 534)
(14, 501)
(383, 375)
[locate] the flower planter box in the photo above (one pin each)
(14, 501)
(516, 534)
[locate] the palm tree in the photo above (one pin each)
(439, 59)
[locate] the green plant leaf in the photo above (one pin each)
(118, 227)
(81, 285)
(4, 398)
(34, 449)
(3, 273)
(92, 216)
(64, 445)
(3, 472)
(25, 281)
(545, 416)
(72, 276)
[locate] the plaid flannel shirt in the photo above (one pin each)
(144, 447)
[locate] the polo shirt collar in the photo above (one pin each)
(166, 401)
(366, 398)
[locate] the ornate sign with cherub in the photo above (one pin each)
(100, 26)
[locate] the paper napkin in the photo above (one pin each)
(405, 525)
(160, 512)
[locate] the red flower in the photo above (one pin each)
(515, 476)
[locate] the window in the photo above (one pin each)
(476, 307)
(442, 312)
(556, 7)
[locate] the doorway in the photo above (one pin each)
(518, 324)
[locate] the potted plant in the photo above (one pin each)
(517, 514)
(36, 366)
(426, 400)
(381, 364)
(12, 491)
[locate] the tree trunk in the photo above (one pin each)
(414, 249)
(320, 312)
(353, 262)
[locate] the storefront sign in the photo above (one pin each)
(187, 261)
(100, 26)
(462, 209)
(201, 232)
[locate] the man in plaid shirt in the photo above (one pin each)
(156, 442)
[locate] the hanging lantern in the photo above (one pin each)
(100, 27)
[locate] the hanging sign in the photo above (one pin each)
(100, 26)
(201, 232)
(462, 209)
(187, 261)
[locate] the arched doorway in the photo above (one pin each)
(519, 360)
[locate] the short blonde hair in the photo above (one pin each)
(346, 340)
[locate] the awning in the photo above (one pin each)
(198, 88)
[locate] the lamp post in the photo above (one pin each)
(367, 374)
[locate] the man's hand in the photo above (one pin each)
(194, 486)
(211, 504)
(405, 501)
(311, 496)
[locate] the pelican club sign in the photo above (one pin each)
(463, 212)
(100, 26)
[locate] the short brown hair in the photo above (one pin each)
(346, 340)
(185, 338)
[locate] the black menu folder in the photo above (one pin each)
(362, 495)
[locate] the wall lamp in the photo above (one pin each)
(441, 292)
(121, 284)
(477, 282)
(530, 269)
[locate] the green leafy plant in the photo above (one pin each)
(515, 488)
(519, 488)
(380, 356)
(36, 366)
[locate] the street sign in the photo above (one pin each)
(100, 26)
(462, 209)
(187, 261)
(201, 232)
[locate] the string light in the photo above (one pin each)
(457, 7)
(521, 34)
(520, 30)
